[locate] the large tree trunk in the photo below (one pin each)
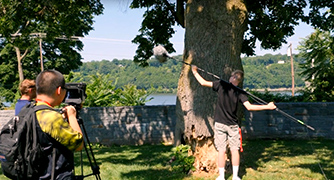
(213, 41)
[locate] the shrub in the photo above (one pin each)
(181, 161)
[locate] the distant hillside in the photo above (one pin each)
(261, 72)
(271, 72)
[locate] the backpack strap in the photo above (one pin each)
(53, 163)
(37, 108)
(34, 132)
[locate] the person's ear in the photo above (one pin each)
(58, 90)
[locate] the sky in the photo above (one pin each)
(118, 25)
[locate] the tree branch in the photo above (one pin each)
(179, 13)
(24, 54)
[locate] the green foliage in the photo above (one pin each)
(8, 73)
(161, 77)
(318, 67)
(131, 96)
(2, 106)
(264, 72)
(269, 22)
(55, 18)
(49, 21)
(152, 34)
(261, 72)
(181, 161)
(102, 92)
(278, 97)
(321, 14)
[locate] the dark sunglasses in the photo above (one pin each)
(63, 87)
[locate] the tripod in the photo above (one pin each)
(90, 155)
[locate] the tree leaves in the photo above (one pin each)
(318, 51)
(321, 14)
(271, 22)
(24, 23)
(156, 29)
(131, 96)
(102, 92)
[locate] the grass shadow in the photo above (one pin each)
(140, 162)
(142, 155)
(152, 174)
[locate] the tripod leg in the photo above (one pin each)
(90, 155)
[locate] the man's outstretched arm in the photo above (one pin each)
(253, 107)
(199, 78)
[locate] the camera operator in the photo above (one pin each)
(55, 131)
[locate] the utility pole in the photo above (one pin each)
(40, 36)
(292, 69)
(41, 53)
(43, 35)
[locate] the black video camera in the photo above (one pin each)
(76, 94)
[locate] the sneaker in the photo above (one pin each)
(236, 178)
(220, 178)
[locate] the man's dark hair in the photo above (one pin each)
(48, 81)
(239, 75)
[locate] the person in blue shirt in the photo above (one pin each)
(28, 93)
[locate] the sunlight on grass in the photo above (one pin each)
(293, 160)
(261, 160)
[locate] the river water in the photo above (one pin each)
(162, 99)
(170, 99)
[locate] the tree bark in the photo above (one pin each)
(213, 41)
(19, 62)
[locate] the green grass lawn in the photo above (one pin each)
(293, 159)
(261, 160)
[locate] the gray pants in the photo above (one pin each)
(224, 135)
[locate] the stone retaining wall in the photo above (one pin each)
(136, 125)
(125, 125)
(272, 124)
